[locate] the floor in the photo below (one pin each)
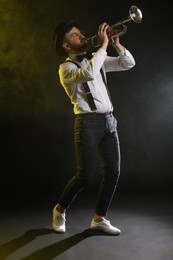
(146, 223)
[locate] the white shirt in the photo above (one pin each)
(72, 77)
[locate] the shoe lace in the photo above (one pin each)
(61, 219)
(106, 221)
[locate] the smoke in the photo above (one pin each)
(28, 73)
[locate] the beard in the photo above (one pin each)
(81, 47)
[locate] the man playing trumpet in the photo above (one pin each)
(83, 77)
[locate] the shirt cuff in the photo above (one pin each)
(123, 53)
(103, 52)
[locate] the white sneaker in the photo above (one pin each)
(58, 223)
(105, 226)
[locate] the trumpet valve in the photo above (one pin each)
(116, 31)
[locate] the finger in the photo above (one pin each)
(102, 27)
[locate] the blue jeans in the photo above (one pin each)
(95, 133)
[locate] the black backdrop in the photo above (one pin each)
(37, 152)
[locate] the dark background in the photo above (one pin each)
(36, 117)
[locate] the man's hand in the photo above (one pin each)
(102, 36)
(115, 40)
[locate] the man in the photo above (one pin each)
(84, 81)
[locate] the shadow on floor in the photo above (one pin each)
(48, 252)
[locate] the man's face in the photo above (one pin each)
(75, 41)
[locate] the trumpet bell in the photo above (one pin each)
(135, 14)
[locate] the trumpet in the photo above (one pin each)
(119, 28)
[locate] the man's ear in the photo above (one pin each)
(66, 46)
